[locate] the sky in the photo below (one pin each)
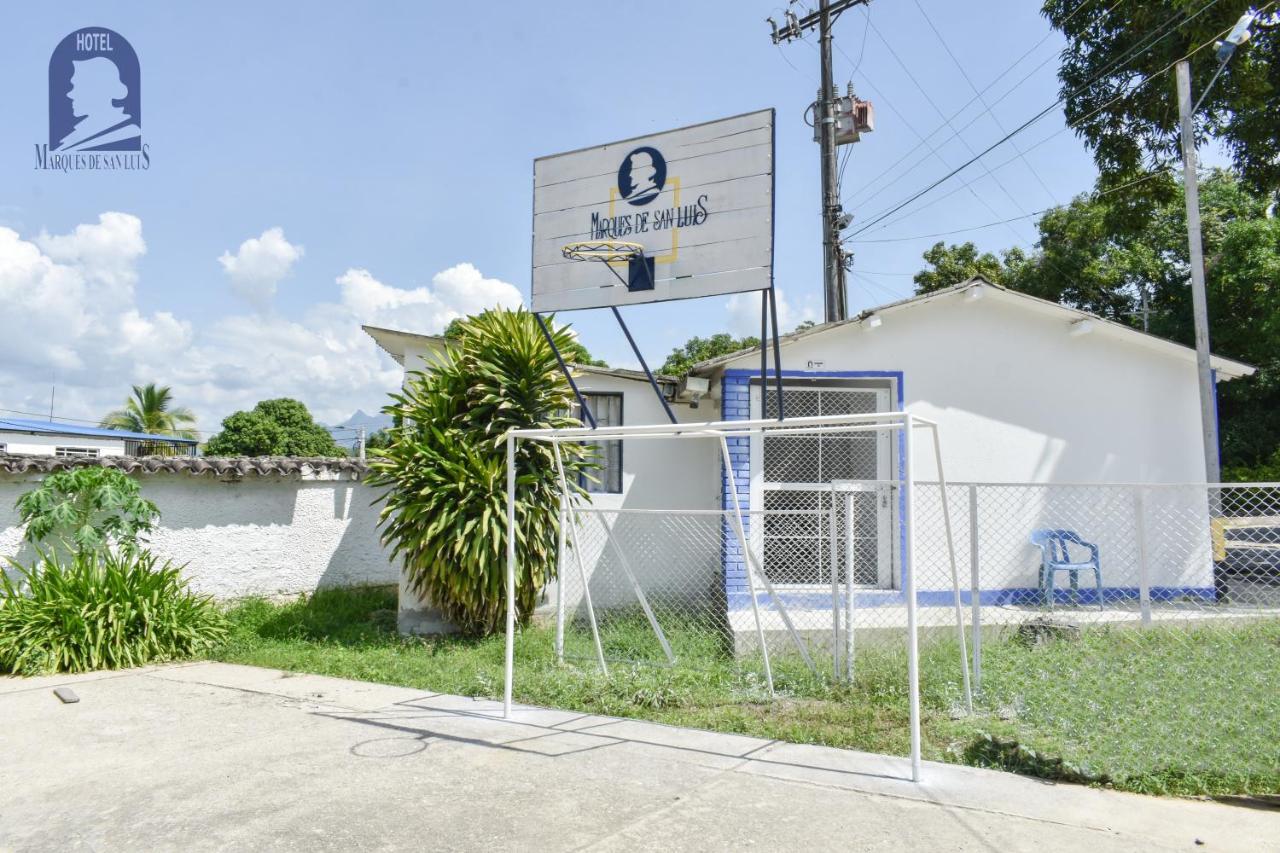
(316, 166)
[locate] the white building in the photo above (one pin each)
(47, 438)
(1025, 392)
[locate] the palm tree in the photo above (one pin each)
(148, 410)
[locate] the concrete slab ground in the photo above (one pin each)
(212, 756)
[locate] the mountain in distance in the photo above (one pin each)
(347, 433)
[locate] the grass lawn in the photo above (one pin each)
(1191, 712)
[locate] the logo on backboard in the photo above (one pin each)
(95, 105)
(642, 176)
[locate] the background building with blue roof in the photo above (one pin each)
(53, 438)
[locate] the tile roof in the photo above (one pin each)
(341, 467)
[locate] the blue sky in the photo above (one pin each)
(391, 143)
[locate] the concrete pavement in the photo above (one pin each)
(213, 756)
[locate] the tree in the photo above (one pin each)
(700, 349)
(380, 439)
(1138, 274)
(280, 427)
(445, 469)
(573, 350)
(1133, 129)
(149, 409)
(87, 510)
(953, 264)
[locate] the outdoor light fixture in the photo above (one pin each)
(1239, 35)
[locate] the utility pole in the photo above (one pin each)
(824, 117)
(1199, 303)
(833, 297)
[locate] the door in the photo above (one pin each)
(822, 503)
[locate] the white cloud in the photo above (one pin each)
(69, 303)
(744, 313)
(260, 263)
(72, 312)
(456, 292)
(107, 253)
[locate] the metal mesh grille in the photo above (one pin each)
(798, 474)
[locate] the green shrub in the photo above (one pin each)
(101, 610)
(446, 469)
(87, 509)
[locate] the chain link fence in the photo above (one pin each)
(1097, 632)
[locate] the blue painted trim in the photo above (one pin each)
(868, 599)
(735, 405)
(837, 374)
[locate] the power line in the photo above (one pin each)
(1098, 194)
(1145, 45)
(938, 110)
(890, 292)
(965, 74)
(866, 185)
(862, 51)
(1029, 122)
(965, 185)
(1148, 42)
(883, 99)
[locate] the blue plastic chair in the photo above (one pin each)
(1055, 556)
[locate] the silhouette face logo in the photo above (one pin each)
(95, 98)
(642, 175)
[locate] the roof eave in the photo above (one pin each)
(391, 341)
(1227, 368)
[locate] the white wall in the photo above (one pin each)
(674, 553)
(258, 535)
(45, 445)
(1019, 399)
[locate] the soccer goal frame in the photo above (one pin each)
(904, 424)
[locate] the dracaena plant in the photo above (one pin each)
(86, 510)
(445, 469)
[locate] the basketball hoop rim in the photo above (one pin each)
(605, 251)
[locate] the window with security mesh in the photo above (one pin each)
(798, 473)
(607, 455)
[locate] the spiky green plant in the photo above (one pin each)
(445, 469)
(101, 610)
(87, 509)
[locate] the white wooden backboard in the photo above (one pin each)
(699, 199)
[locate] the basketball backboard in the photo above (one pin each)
(699, 200)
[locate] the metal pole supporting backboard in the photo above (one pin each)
(640, 357)
(777, 351)
(564, 368)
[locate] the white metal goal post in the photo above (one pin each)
(758, 583)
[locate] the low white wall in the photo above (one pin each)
(256, 535)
